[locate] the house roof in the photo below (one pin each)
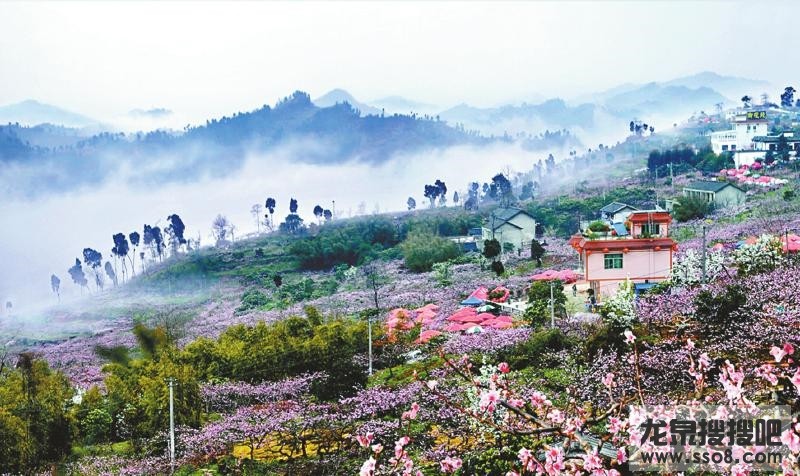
(581, 243)
(710, 186)
(614, 207)
(646, 216)
(503, 215)
(770, 139)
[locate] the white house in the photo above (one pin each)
(766, 143)
(745, 127)
(762, 144)
(616, 212)
(510, 225)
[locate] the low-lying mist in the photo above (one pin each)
(47, 232)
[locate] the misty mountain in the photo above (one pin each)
(553, 111)
(155, 113)
(295, 127)
(654, 99)
(528, 119)
(731, 87)
(401, 105)
(340, 96)
(31, 113)
(44, 135)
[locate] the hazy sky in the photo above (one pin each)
(202, 59)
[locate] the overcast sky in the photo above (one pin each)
(203, 59)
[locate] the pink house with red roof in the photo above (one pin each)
(641, 251)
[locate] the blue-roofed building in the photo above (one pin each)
(616, 212)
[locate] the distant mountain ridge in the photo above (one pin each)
(731, 87)
(340, 96)
(31, 113)
(313, 134)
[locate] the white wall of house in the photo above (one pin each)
(740, 137)
(728, 196)
(508, 233)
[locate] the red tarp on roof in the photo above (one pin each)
(481, 293)
(794, 242)
(566, 276)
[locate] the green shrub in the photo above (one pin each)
(538, 311)
(688, 208)
(498, 268)
(599, 226)
(530, 353)
(491, 249)
(293, 346)
(717, 311)
(252, 299)
(606, 338)
(421, 251)
(96, 426)
(349, 243)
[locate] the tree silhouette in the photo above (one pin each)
(120, 251)
(787, 98)
(175, 230)
(471, 203)
(431, 192)
(491, 249)
(412, 204)
(746, 100)
(94, 259)
(270, 206)
(220, 228)
(527, 191)
(255, 210)
(110, 272)
(782, 148)
(327, 214)
(504, 189)
(455, 198)
(153, 239)
(77, 275)
(134, 237)
(318, 212)
(292, 223)
(55, 285)
(442, 192)
(537, 252)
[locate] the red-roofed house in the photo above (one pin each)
(642, 255)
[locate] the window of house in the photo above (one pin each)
(724, 147)
(652, 229)
(613, 260)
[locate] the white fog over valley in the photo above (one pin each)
(504, 81)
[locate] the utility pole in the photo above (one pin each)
(704, 254)
(552, 306)
(171, 383)
(369, 332)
